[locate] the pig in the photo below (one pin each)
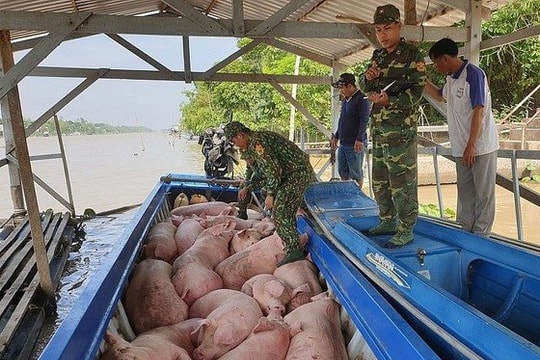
(160, 243)
(296, 274)
(158, 343)
(259, 258)
(243, 239)
(187, 232)
(266, 226)
(209, 221)
(193, 279)
(193, 270)
(271, 293)
(144, 347)
(181, 200)
(197, 199)
(208, 208)
(269, 340)
(151, 300)
(318, 328)
(230, 317)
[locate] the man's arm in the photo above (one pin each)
(476, 129)
(434, 91)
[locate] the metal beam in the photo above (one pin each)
(202, 21)
(518, 35)
(276, 18)
(299, 51)
(141, 54)
(64, 101)
(238, 28)
(187, 59)
(64, 72)
(301, 108)
(39, 52)
(154, 25)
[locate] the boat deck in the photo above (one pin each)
(23, 306)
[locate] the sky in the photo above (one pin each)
(154, 104)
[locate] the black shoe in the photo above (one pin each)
(385, 227)
(242, 215)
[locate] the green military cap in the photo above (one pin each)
(385, 14)
(234, 128)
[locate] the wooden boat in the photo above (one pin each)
(469, 297)
(372, 327)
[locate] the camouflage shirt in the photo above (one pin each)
(275, 157)
(406, 65)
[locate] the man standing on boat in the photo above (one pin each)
(286, 173)
(394, 83)
(351, 130)
(473, 135)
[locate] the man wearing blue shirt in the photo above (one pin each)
(473, 135)
(351, 130)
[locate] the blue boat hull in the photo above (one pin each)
(375, 321)
(470, 297)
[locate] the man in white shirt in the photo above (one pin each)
(473, 135)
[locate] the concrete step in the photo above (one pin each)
(530, 134)
(532, 145)
(510, 144)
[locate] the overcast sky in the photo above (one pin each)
(154, 104)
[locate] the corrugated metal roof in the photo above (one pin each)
(348, 52)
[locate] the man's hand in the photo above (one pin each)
(379, 98)
(242, 193)
(468, 156)
(373, 72)
(269, 202)
(333, 143)
(358, 146)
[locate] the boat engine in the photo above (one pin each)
(220, 156)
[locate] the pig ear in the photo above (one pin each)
(263, 325)
(225, 335)
(296, 329)
(302, 289)
(197, 333)
(274, 288)
(247, 289)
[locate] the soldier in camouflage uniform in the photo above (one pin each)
(393, 126)
(286, 173)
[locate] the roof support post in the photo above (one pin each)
(335, 103)
(9, 110)
(25, 168)
(473, 20)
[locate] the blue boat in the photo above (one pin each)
(373, 328)
(469, 297)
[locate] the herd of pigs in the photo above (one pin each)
(208, 287)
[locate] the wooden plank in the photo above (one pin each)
(53, 231)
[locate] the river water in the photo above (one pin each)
(112, 171)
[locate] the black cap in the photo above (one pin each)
(344, 79)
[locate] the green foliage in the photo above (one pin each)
(434, 211)
(84, 127)
(257, 105)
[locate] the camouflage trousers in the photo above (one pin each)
(288, 198)
(395, 180)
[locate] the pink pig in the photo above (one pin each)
(151, 300)
(160, 242)
(271, 293)
(259, 258)
(144, 347)
(298, 273)
(243, 239)
(230, 317)
(208, 208)
(269, 340)
(187, 232)
(319, 327)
